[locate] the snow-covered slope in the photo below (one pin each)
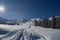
(22, 21)
(28, 31)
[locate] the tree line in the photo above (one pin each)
(53, 23)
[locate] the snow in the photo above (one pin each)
(28, 31)
(55, 17)
(38, 19)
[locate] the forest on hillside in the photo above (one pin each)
(53, 22)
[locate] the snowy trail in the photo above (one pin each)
(28, 31)
(22, 35)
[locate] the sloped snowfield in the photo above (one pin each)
(28, 31)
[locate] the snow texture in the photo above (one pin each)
(28, 31)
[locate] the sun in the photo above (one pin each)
(2, 9)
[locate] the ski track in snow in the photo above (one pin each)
(28, 31)
(21, 35)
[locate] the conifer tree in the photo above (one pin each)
(46, 22)
(53, 22)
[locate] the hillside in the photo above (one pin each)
(28, 31)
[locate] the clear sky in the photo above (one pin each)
(16, 9)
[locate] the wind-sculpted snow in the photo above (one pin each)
(22, 35)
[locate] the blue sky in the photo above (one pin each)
(16, 9)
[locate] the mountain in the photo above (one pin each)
(22, 21)
(3, 20)
(11, 22)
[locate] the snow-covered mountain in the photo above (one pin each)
(27, 31)
(3, 20)
(22, 21)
